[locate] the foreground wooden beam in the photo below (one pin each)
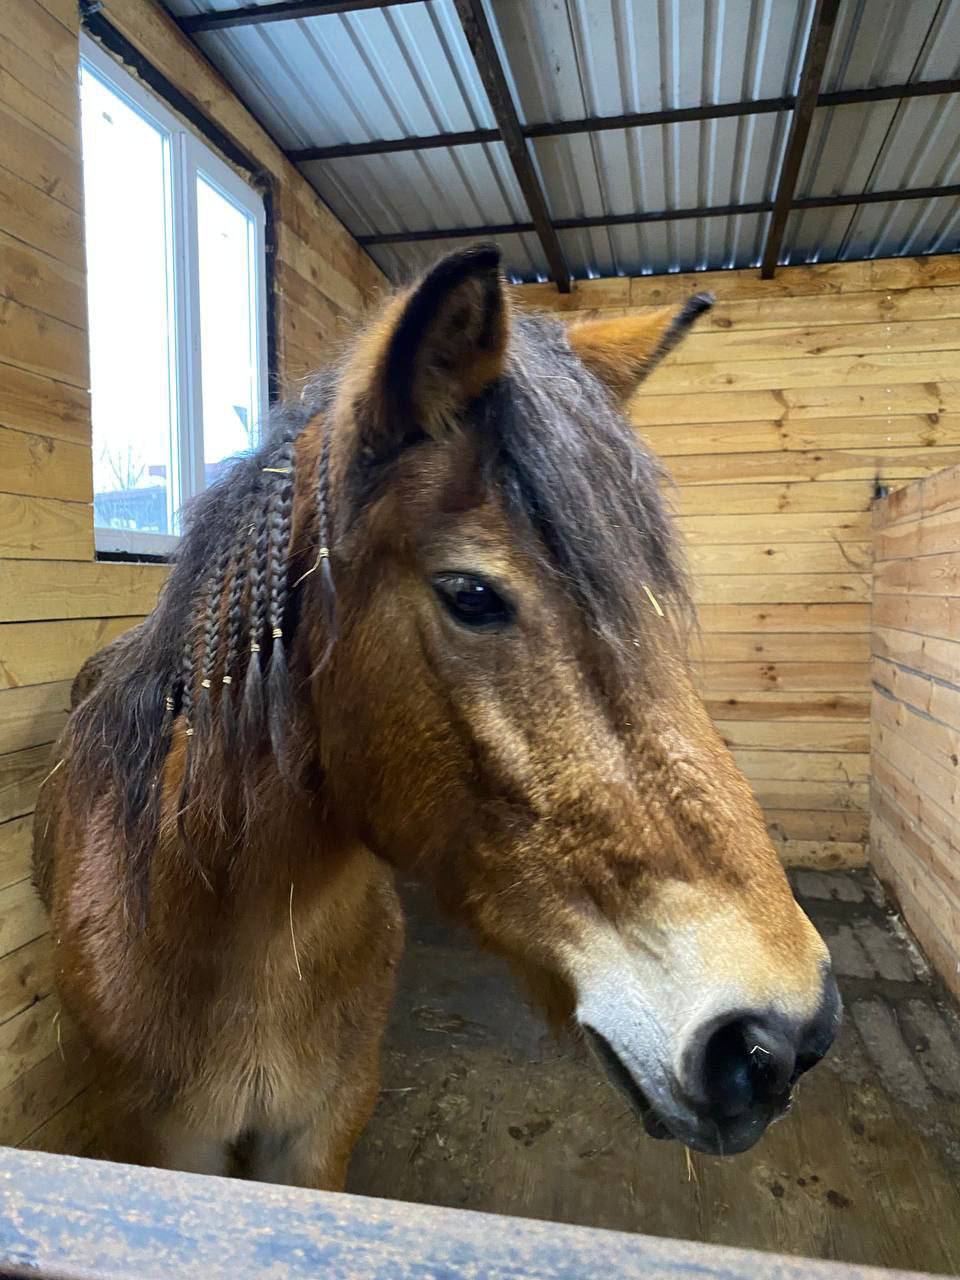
(62, 1219)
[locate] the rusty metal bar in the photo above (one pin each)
(473, 19)
(281, 11)
(811, 77)
(631, 120)
(661, 215)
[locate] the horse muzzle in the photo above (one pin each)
(734, 1075)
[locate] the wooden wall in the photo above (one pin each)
(778, 417)
(57, 604)
(915, 768)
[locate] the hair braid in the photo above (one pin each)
(251, 711)
(278, 677)
(324, 540)
(210, 647)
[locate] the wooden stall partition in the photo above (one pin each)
(779, 417)
(915, 720)
(57, 603)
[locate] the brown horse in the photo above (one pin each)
(495, 698)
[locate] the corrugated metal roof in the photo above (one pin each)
(407, 71)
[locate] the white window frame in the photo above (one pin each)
(190, 157)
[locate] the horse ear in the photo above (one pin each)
(621, 353)
(438, 346)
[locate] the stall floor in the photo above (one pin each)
(481, 1108)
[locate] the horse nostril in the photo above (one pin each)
(746, 1062)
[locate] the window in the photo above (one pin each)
(177, 309)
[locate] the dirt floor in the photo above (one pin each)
(481, 1108)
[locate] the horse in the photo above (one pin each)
(436, 624)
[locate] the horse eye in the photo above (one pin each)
(471, 601)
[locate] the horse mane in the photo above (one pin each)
(212, 655)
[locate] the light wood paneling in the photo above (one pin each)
(915, 801)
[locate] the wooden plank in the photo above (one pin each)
(41, 160)
(933, 945)
(788, 558)
(927, 890)
(796, 588)
(22, 917)
(834, 278)
(939, 861)
(932, 697)
(26, 976)
(933, 575)
(27, 1039)
(775, 794)
(21, 773)
(39, 467)
(36, 89)
(822, 855)
(805, 766)
(838, 464)
(879, 369)
(33, 715)
(79, 1220)
(73, 1129)
(800, 527)
(43, 345)
(843, 825)
(928, 655)
(940, 826)
(805, 736)
(43, 1091)
(924, 536)
(779, 646)
(734, 498)
(794, 405)
(816, 619)
(935, 784)
(929, 616)
(37, 652)
(38, 591)
(33, 30)
(33, 404)
(936, 493)
(799, 705)
(32, 216)
(869, 307)
(907, 431)
(44, 528)
(766, 704)
(719, 678)
(36, 280)
(802, 342)
(15, 845)
(939, 742)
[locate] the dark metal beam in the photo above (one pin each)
(480, 39)
(811, 77)
(663, 215)
(632, 120)
(282, 11)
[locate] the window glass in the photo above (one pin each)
(228, 328)
(127, 200)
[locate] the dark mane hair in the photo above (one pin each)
(214, 651)
(570, 465)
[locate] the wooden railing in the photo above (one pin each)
(63, 1218)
